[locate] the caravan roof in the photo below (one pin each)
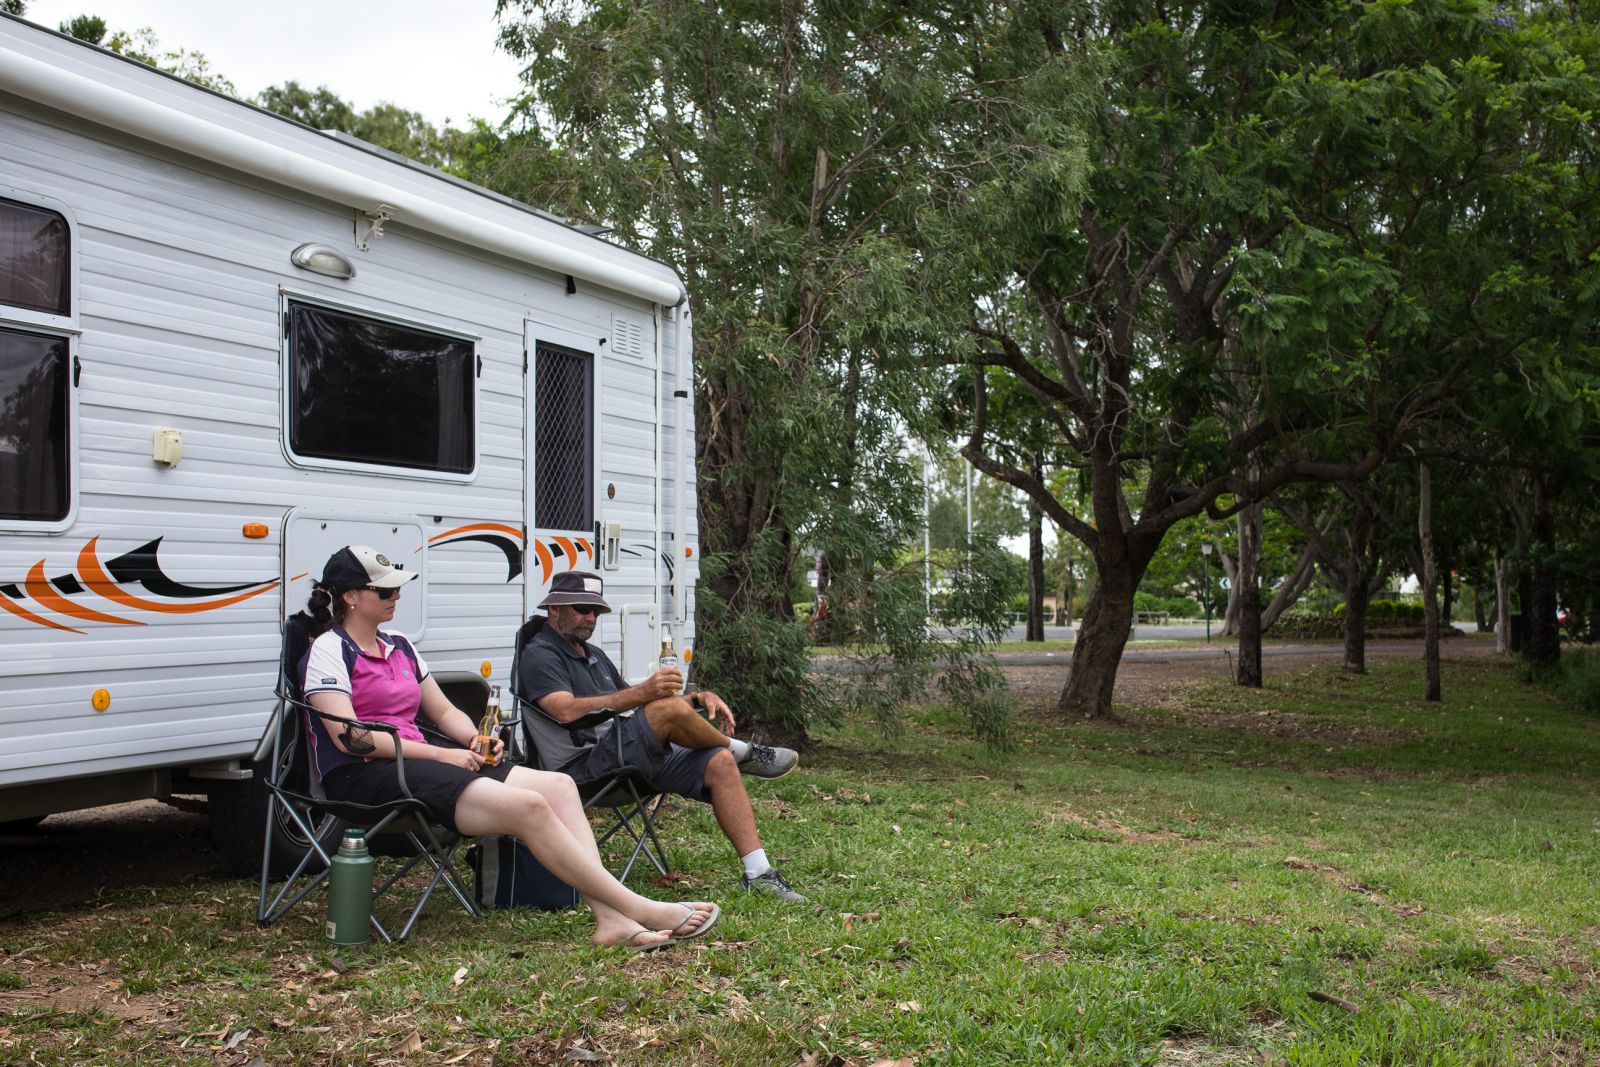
(100, 86)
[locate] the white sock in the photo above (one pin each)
(755, 863)
(740, 749)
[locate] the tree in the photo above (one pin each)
(13, 7)
(777, 153)
(472, 153)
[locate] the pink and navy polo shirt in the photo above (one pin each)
(384, 688)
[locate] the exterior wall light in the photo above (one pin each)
(321, 259)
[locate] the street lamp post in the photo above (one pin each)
(1205, 583)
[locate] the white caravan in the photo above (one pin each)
(229, 344)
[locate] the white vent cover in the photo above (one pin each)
(627, 337)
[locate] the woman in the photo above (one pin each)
(356, 671)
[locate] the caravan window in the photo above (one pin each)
(33, 427)
(35, 259)
(35, 364)
(366, 391)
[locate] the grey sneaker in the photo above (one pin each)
(765, 762)
(773, 884)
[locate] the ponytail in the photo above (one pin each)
(323, 609)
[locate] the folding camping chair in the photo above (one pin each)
(627, 793)
(302, 821)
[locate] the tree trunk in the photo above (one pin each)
(1447, 608)
(1502, 604)
(1290, 590)
(1035, 567)
(1356, 594)
(1064, 605)
(1539, 611)
(1102, 635)
(1249, 584)
(1230, 612)
(1430, 582)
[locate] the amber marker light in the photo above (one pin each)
(100, 699)
(688, 550)
(688, 654)
(255, 530)
(484, 669)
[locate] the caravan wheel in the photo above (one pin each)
(239, 828)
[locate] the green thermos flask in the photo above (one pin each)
(350, 891)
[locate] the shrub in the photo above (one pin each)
(1580, 678)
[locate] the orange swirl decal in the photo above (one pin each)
(40, 590)
(139, 567)
(547, 563)
(508, 539)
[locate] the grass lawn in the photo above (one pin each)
(1328, 871)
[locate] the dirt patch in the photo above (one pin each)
(1338, 877)
(86, 987)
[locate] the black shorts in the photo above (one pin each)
(438, 785)
(668, 768)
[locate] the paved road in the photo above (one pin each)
(1170, 632)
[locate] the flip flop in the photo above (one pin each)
(647, 946)
(699, 931)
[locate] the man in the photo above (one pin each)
(679, 750)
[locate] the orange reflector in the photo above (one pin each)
(100, 700)
(484, 669)
(688, 654)
(255, 529)
(688, 550)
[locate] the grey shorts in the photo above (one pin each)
(668, 768)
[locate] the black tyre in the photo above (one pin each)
(239, 827)
(21, 826)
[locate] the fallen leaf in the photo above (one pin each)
(583, 1055)
(895, 828)
(909, 1005)
(460, 976)
(412, 1042)
(904, 1061)
(458, 1057)
(237, 1039)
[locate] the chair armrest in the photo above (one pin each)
(348, 723)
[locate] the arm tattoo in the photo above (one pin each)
(358, 740)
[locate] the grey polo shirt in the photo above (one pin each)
(550, 664)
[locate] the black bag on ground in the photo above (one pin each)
(506, 875)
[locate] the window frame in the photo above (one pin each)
(46, 324)
(286, 297)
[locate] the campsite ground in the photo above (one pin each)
(1325, 871)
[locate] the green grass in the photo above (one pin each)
(1169, 890)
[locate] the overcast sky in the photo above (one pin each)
(433, 56)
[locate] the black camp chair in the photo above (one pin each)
(627, 793)
(303, 822)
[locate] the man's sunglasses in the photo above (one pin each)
(384, 594)
(587, 609)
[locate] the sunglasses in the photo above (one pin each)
(384, 594)
(587, 609)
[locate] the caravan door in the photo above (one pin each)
(563, 428)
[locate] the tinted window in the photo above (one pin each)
(35, 259)
(563, 438)
(33, 426)
(366, 391)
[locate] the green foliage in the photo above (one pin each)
(466, 152)
(90, 28)
(143, 45)
(1579, 679)
(1389, 613)
(13, 7)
